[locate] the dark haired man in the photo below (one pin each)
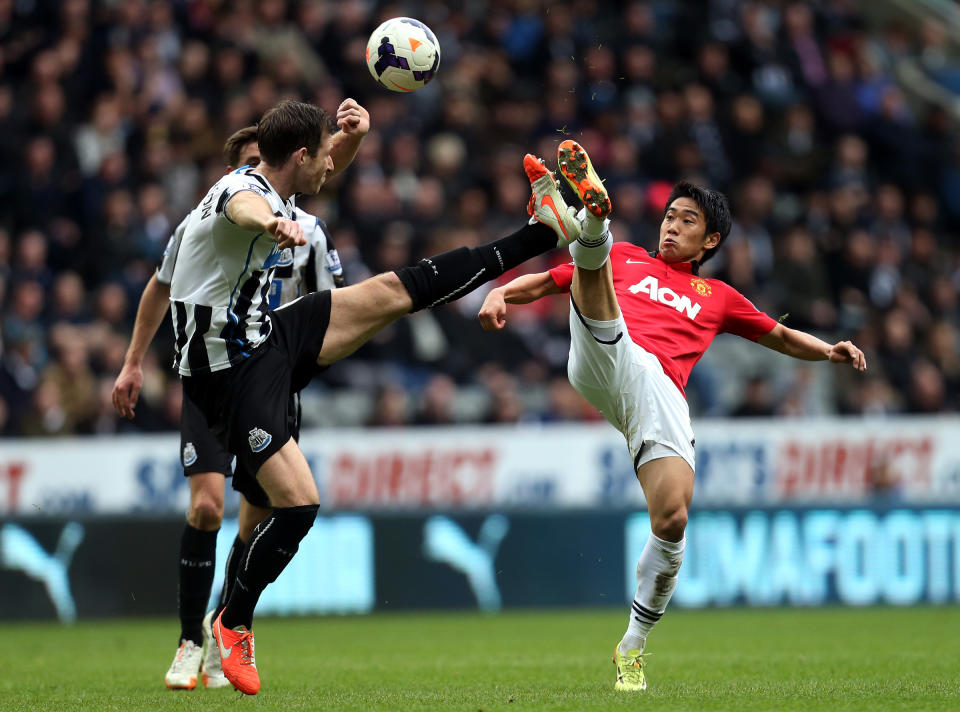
(240, 363)
(205, 462)
(639, 322)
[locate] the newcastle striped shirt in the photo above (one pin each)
(221, 279)
(306, 268)
(300, 270)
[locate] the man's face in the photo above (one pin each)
(683, 232)
(315, 169)
(249, 156)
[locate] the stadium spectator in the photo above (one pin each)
(111, 115)
(437, 402)
(757, 399)
(391, 407)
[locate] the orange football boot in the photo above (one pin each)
(237, 657)
(546, 205)
(576, 168)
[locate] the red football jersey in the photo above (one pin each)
(671, 312)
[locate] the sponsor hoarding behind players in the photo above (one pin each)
(639, 322)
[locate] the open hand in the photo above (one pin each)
(126, 390)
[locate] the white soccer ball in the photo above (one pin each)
(403, 54)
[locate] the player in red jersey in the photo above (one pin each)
(639, 322)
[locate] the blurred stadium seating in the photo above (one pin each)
(832, 131)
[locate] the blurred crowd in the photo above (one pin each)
(845, 192)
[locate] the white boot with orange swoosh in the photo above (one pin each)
(547, 205)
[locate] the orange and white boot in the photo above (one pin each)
(547, 205)
(576, 167)
(185, 667)
(237, 657)
(592, 248)
(211, 672)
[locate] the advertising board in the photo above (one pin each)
(558, 466)
(358, 563)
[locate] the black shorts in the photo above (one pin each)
(245, 481)
(249, 406)
(200, 451)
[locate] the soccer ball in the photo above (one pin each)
(403, 54)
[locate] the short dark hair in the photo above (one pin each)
(291, 125)
(714, 206)
(235, 144)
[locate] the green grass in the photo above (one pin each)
(826, 659)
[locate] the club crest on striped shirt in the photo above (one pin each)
(286, 258)
(259, 439)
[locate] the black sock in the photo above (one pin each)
(273, 543)
(230, 573)
(450, 275)
(198, 553)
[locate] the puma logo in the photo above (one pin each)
(21, 552)
(446, 542)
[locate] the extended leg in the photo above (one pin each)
(593, 294)
(592, 289)
(360, 311)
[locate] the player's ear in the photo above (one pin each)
(301, 155)
(713, 239)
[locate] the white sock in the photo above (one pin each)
(656, 579)
(590, 256)
(591, 249)
(593, 229)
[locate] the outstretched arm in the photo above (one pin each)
(250, 211)
(354, 123)
(522, 290)
(805, 346)
(153, 306)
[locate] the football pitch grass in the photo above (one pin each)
(808, 659)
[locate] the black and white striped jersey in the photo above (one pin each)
(169, 259)
(306, 268)
(221, 279)
(300, 270)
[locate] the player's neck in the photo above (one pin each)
(691, 265)
(280, 178)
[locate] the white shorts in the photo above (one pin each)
(627, 384)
